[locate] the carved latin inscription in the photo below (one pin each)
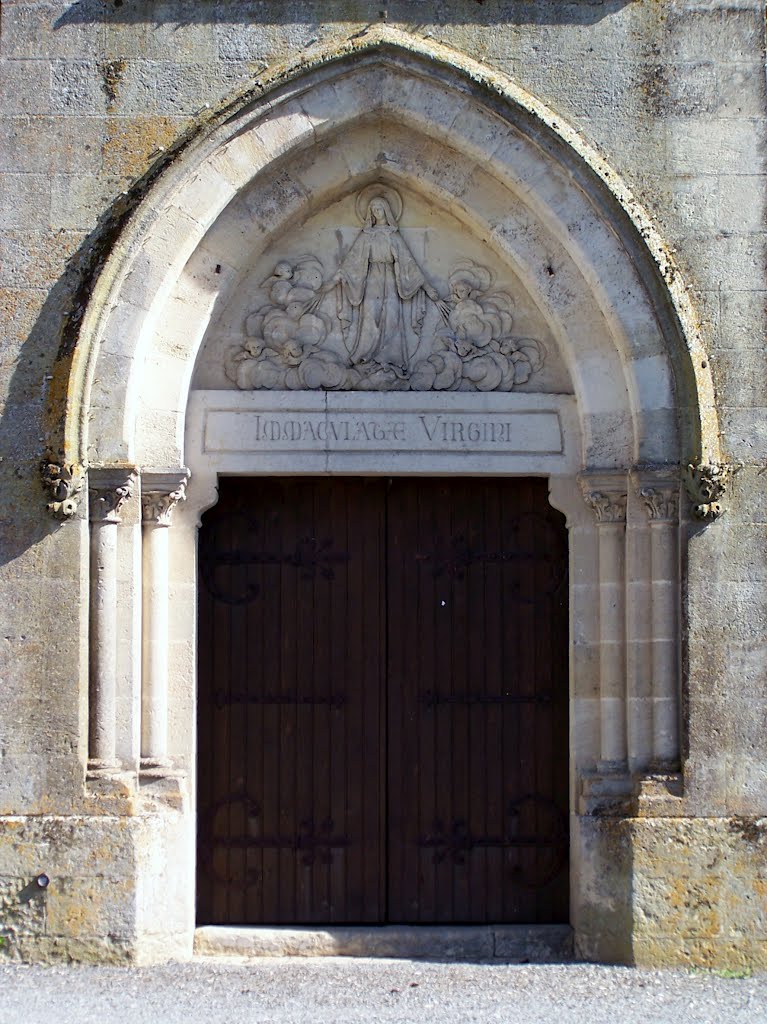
(501, 433)
(377, 322)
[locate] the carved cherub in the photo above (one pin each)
(476, 318)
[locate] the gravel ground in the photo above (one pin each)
(341, 990)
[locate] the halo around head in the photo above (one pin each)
(370, 192)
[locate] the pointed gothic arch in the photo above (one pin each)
(466, 142)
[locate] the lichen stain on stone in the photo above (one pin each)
(655, 86)
(753, 830)
(130, 144)
(112, 72)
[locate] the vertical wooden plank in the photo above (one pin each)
(264, 740)
(407, 649)
(496, 687)
(337, 684)
(373, 499)
(456, 636)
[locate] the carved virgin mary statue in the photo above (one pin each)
(381, 286)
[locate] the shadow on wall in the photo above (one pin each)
(24, 520)
(32, 422)
(473, 12)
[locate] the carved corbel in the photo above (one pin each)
(108, 491)
(64, 484)
(706, 485)
(160, 493)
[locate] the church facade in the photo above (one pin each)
(383, 553)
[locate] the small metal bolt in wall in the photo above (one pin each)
(34, 888)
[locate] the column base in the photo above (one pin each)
(607, 794)
(109, 779)
(659, 795)
(156, 767)
(161, 781)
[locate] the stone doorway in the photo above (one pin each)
(383, 695)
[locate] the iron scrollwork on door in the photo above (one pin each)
(454, 842)
(314, 843)
(453, 556)
(224, 565)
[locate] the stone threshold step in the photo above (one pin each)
(510, 943)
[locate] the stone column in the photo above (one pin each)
(108, 490)
(606, 494)
(161, 492)
(661, 499)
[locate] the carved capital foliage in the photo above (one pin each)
(607, 507)
(160, 494)
(706, 485)
(658, 488)
(64, 484)
(662, 503)
(605, 493)
(108, 492)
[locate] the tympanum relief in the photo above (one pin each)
(375, 317)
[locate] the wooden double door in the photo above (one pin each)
(382, 702)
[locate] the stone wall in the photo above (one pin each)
(97, 94)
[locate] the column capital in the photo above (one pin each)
(606, 493)
(108, 490)
(658, 487)
(161, 491)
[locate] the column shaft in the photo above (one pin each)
(109, 489)
(664, 647)
(103, 644)
(161, 492)
(154, 687)
(612, 635)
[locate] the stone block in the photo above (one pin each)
(561, 84)
(739, 377)
(35, 259)
(749, 495)
(78, 87)
(85, 908)
(26, 201)
(743, 319)
(745, 431)
(32, 29)
(740, 90)
(25, 87)
(259, 43)
(655, 89)
(78, 202)
(701, 145)
(696, 31)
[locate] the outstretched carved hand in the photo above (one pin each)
(329, 285)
